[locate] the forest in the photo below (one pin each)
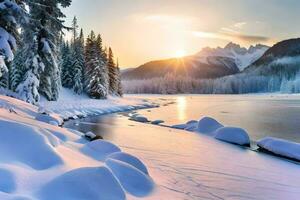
(36, 59)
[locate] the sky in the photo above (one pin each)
(143, 30)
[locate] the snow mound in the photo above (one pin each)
(133, 180)
(83, 183)
(100, 149)
(28, 145)
(7, 181)
(233, 135)
(139, 118)
(129, 159)
(179, 126)
(208, 125)
(280, 147)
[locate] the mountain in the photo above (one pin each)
(208, 63)
(281, 59)
(242, 56)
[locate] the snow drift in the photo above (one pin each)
(43, 161)
(280, 147)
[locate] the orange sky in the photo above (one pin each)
(144, 30)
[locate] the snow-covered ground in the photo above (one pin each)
(187, 165)
(70, 105)
(41, 161)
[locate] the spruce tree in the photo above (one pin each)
(78, 64)
(89, 55)
(46, 21)
(112, 73)
(12, 15)
(97, 69)
(119, 83)
(66, 66)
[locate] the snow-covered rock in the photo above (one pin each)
(129, 159)
(233, 135)
(139, 118)
(280, 147)
(156, 122)
(208, 125)
(133, 180)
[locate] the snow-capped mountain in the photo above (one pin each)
(208, 63)
(242, 56)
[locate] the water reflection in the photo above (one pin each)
(181, 108)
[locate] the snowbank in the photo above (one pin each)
(280, 147)
(43, 161)
(72, 106)
(233, 135)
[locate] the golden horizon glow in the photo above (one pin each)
(180, 53)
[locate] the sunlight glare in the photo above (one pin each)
(180, 53)
(181, 108)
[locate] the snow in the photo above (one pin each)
(196, 166)
(280, 147)
(42, 161)
(84, 183)
(100, 149)
(208, 125)
(133, 180)
(70, 105)
(90, 135)
(243, 57)
(127, 158)
(6, 40)
(139, 118)
(158, 121)
(233, 135)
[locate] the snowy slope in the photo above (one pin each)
(46, 162)
(243, 57)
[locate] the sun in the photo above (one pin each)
(180, 53)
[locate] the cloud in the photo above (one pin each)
(232, 36)
(239, 25)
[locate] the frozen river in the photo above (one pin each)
(187, 165)
(260, 115)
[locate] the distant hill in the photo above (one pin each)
(283, 59)
(208, 63)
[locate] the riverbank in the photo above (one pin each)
(188, 165)
(40, 160)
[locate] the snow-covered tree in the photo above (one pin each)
(28, 88)
(119, 83)
(47, 24)
(78, 65)
(66, 66)
(112, 73)
(12, 15)
(97, 69)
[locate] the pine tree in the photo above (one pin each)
(119, 83)
(28, 89)
(89, 54)
(66, 66)
(46, 22)
(12, 15)
(97, 70)
(16, 70)
(112, 73)
(78, 65)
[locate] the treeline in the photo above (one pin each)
(88, 67)
(35, 60)
(238, 84)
